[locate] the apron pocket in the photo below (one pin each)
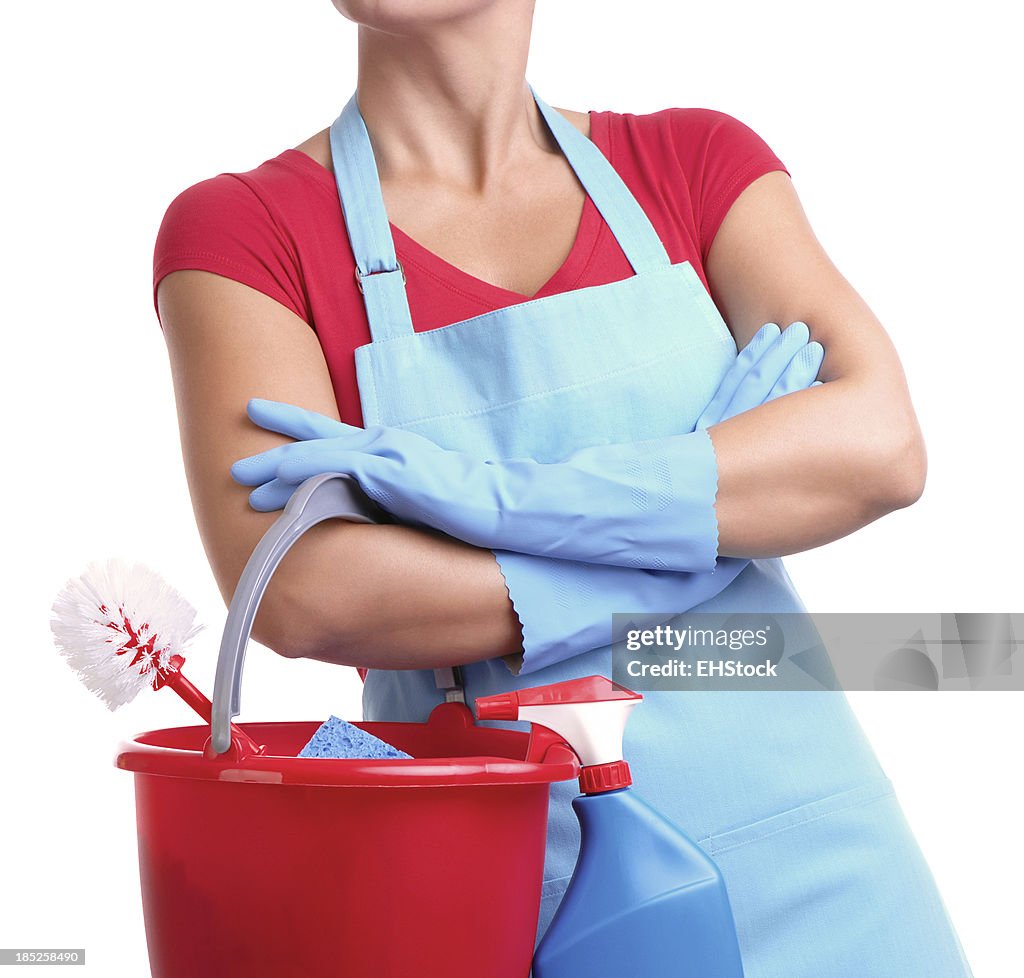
(819, 808)
(836, 888)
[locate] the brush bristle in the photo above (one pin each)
(119, 623)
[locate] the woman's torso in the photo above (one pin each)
(741, 774)
(279, 229)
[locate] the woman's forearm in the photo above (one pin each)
(388, 596)
(818, 464)
(814, 466)
(366, 595)
(793, 474)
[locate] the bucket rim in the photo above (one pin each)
(464, 771)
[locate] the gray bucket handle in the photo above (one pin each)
(332, 495)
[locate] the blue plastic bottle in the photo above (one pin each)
(644, 900)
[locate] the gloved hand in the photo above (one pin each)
(565, 606)
(766, 368)
(637, 504)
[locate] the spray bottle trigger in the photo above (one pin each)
(587, 714)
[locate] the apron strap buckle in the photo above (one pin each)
(360, 275)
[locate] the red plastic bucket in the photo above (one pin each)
(276, 866)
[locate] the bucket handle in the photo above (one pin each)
(332, 495)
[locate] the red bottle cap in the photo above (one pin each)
(605, 777)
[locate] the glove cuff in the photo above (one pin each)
(545, 596)
(679, 491)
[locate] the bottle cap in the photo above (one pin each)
(605, 777)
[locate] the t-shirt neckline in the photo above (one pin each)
(411, 253)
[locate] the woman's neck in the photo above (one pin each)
(452, 104)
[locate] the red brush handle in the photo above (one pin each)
(191, 694)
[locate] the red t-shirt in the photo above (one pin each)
(279, 229)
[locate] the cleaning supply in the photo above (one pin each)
(644, 898)
(122, 628)
(338, 738)
(279, 866)
(246, 859)
(648, 503)
(295, 867)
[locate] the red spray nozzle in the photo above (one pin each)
(500, 706)
(589, 689)
(590, 714)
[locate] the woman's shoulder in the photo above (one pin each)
(715, 152)
(262, 189)
(691, 131)
(686, 163)
(214, 200)
(272, 199)
(247, 225)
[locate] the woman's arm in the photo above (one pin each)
(381, 595)
(413, 598)
(820, 463)
(783, 477)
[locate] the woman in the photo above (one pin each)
(576, 284)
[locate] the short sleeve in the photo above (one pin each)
(723, 156)
(221, 225)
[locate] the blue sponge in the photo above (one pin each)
(338, 738)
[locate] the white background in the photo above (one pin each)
(899, 123)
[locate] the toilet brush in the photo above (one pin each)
(122, 627)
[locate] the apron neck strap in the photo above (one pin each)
(378, 273)
(380, 276)
(619, 208)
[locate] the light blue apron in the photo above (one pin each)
(781, 788)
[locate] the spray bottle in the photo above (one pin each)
(644, 898)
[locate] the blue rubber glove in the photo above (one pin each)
(637, 504)
(766, 368)
(566, 607)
